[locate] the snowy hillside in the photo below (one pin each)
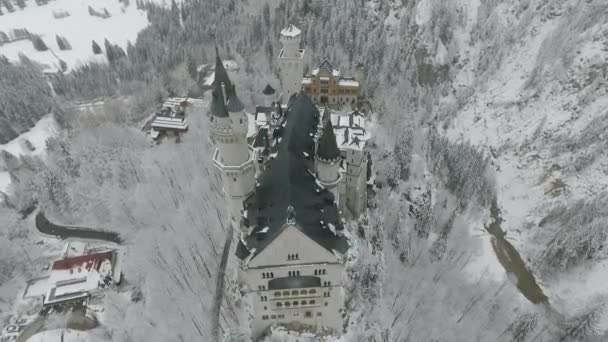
(80, 22)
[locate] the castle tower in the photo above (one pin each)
(291, 62)
(229, 132)
(327, 157)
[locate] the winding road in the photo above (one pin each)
(46, 227)
(219, 286)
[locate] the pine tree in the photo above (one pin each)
(9, 5)
(192, 69)
(39, 44)
(63, 43)
(96, 48)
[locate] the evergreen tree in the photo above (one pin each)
(39, 44)
(192, 69)
(96, 48)
(9, 5)
(63, 43)
(21, 3)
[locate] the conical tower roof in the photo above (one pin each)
(268, 90)
(328, 148)
(221, 75)
(218, 105)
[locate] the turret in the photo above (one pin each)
(327, 158)
(290, 61)
(229, 132)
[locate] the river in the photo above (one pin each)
(512, 262)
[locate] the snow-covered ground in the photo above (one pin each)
(79, 28)
(64, 335)
(526, 127)
(37, 136)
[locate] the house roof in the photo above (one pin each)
(294, 282)
(290, 31)
(288, 180)
(90, 261)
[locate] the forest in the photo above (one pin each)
(412, 275)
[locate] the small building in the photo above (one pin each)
(170, 120)
(325, 85)
(74, 279)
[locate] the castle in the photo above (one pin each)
(291, 173)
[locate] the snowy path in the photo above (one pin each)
(219, 286)
(44, 226)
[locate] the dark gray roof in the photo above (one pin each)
(218, 106)
(326, 64)
(268, 90)
(234, 103)
(328, 148)
(261, 139)
(221, 75)
(230, 105)
(288, 181)
(294, 282)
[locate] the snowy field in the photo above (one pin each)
(37, 136)
(79, 28)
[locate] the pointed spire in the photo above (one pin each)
(221, 75)
(218, 104)
(328, 148)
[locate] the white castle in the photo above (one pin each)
(290, 177)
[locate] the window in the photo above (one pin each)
(265, 317)
(325, 303)
(287, 304)
(303, 292)
(285, 293)
(273, 316)
(271, 274)
(263, 298)
(303, 302)
(294, 292)
(308, 314)
(281, 316)
(315, 272)
(279, 305)
(265, 308)
(298, 273)
(277, 294)
(323, 271)
(241, 121)
(234, 179)
(313, 291)
(312, 302)
(319, 314)
(295, 303)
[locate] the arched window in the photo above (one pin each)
(303, 292)
(285, 293)
(313, 291)
(298, 273)
(295, 303)
(279, 305)
(287, 304)
(294, 292)
(271, 274)
(315, 272)
(277, 294)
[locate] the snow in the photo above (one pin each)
(44, 129)
(79, 29)
(290, 31)
(63, 335)
(348, 83)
